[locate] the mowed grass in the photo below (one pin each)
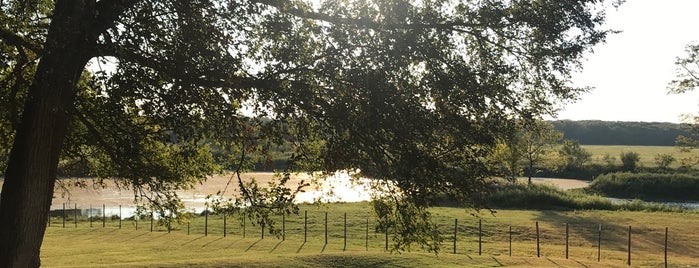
(110, 246)
(647, 154)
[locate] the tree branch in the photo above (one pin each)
(108, 11)
(16, 40)
(282, 6)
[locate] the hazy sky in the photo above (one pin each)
(630, 72)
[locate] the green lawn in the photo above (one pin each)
(96, 246)
(646, 153)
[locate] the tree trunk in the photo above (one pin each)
(529, 172)
(31, 171)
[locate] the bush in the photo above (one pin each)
(629, 160)
(648, 186)
(541, 196)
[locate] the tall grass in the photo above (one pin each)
(542, 196)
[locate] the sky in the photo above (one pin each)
(631, 71)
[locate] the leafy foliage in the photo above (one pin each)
(687, 80)
(573, 155)
(687, 71)
(629, 160)
(529, 143)
(664, 160)
(653, 186)
(539, 140)
(411, 93)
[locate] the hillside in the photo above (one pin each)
(594, 132)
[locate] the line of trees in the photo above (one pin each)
(594, 132)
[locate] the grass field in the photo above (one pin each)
(85, 246)
(646, 153)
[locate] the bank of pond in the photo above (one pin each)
(670, 192)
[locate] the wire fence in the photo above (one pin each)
(357, 230)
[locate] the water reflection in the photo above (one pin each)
(339, 187)
(684, 205)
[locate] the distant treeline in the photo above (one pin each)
(594, 132)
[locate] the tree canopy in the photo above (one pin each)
(414, 93)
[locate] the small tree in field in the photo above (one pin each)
(609, 161)
(508, 159)
(573, 155)
(527, 144)
(664, 160)
(538, 139)
(629, 160)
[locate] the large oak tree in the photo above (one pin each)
(414, 93)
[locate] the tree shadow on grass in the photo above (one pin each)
(333, 260)
(614, 235)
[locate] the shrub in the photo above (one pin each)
(540, 196)
(629, 160)
(664, 160)
(648, 186)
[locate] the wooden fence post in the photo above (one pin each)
(119, 216)
(90, 215)
(366, 237)
(305, 225)
(538, 249)
(456, 225)
(152, 215)
(262, 230)
(567, 234)
(628, 260)
(187, 227)
(243, 224)
(666, 247)
(64, 215)
(510, 240)
(75, 215)
(225, 227)
(599, 243)
(344, 247)
(480, 237)
(386, 246)
(206, 221)
(104, 215)
(326, 227)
